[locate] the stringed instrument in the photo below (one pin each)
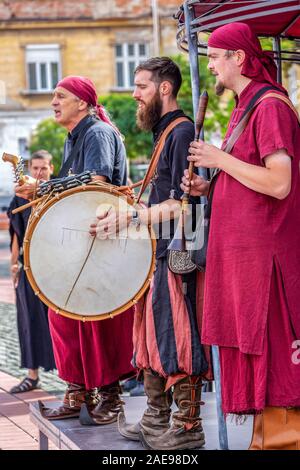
(20, 178)
(18, 165)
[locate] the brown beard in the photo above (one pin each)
(150, 114)
(219, 88)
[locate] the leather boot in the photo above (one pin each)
(186, 431)
(75, 396)
(108, 408)
(156, 418)
(277, 429)
(257, 435)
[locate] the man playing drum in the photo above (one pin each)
(166, 337)
(95, 354)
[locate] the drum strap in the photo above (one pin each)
(156, 154)
(75, 150)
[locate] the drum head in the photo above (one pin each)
(81, 276)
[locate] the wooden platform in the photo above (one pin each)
(69, 434)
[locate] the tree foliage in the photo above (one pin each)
(218, 110)
(49, 136)
(122, 110)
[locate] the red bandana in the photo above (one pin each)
(259, 65)
(84, 89)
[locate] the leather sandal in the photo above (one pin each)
(26, 385)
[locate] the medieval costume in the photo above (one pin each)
(252, 280)
(93, 354)
(167, 347)
(32, 314)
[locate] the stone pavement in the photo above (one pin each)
(9, 343)
(16, 430)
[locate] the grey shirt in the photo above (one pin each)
(102, 151)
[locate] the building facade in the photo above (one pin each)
(44, 40)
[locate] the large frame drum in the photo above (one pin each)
(80, 276)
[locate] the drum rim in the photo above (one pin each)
(34, 219)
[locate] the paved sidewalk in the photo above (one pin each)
(17, 432)
(9, 342)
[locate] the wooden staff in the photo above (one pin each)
(178, 242)
(25, 206)
(198, 127)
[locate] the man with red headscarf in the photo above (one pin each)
(89, 355)
(252, 285)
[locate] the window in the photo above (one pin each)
(43, 67)
(128, 57)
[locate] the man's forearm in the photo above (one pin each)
(167, 210)
(260, 179)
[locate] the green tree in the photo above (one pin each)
(49, 136)
(218, 111)
(122, 110)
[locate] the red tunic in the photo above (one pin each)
(253, 236)
(94, 353)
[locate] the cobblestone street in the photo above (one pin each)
(9, 345)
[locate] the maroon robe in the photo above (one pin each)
(94, 353)
(253, 268)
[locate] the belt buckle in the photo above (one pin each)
(72, 401)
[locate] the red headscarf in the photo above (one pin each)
(84, 89)
(259, 65)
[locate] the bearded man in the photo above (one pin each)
(167, 347)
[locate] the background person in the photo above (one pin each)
(32, 315)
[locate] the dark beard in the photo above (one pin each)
(219, 88)
(150, 114)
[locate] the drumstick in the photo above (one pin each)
(25, 206)
(130, 186)
(79, 274)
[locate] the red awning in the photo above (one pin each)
(266, 17)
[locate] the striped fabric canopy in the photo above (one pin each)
(266, 17)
